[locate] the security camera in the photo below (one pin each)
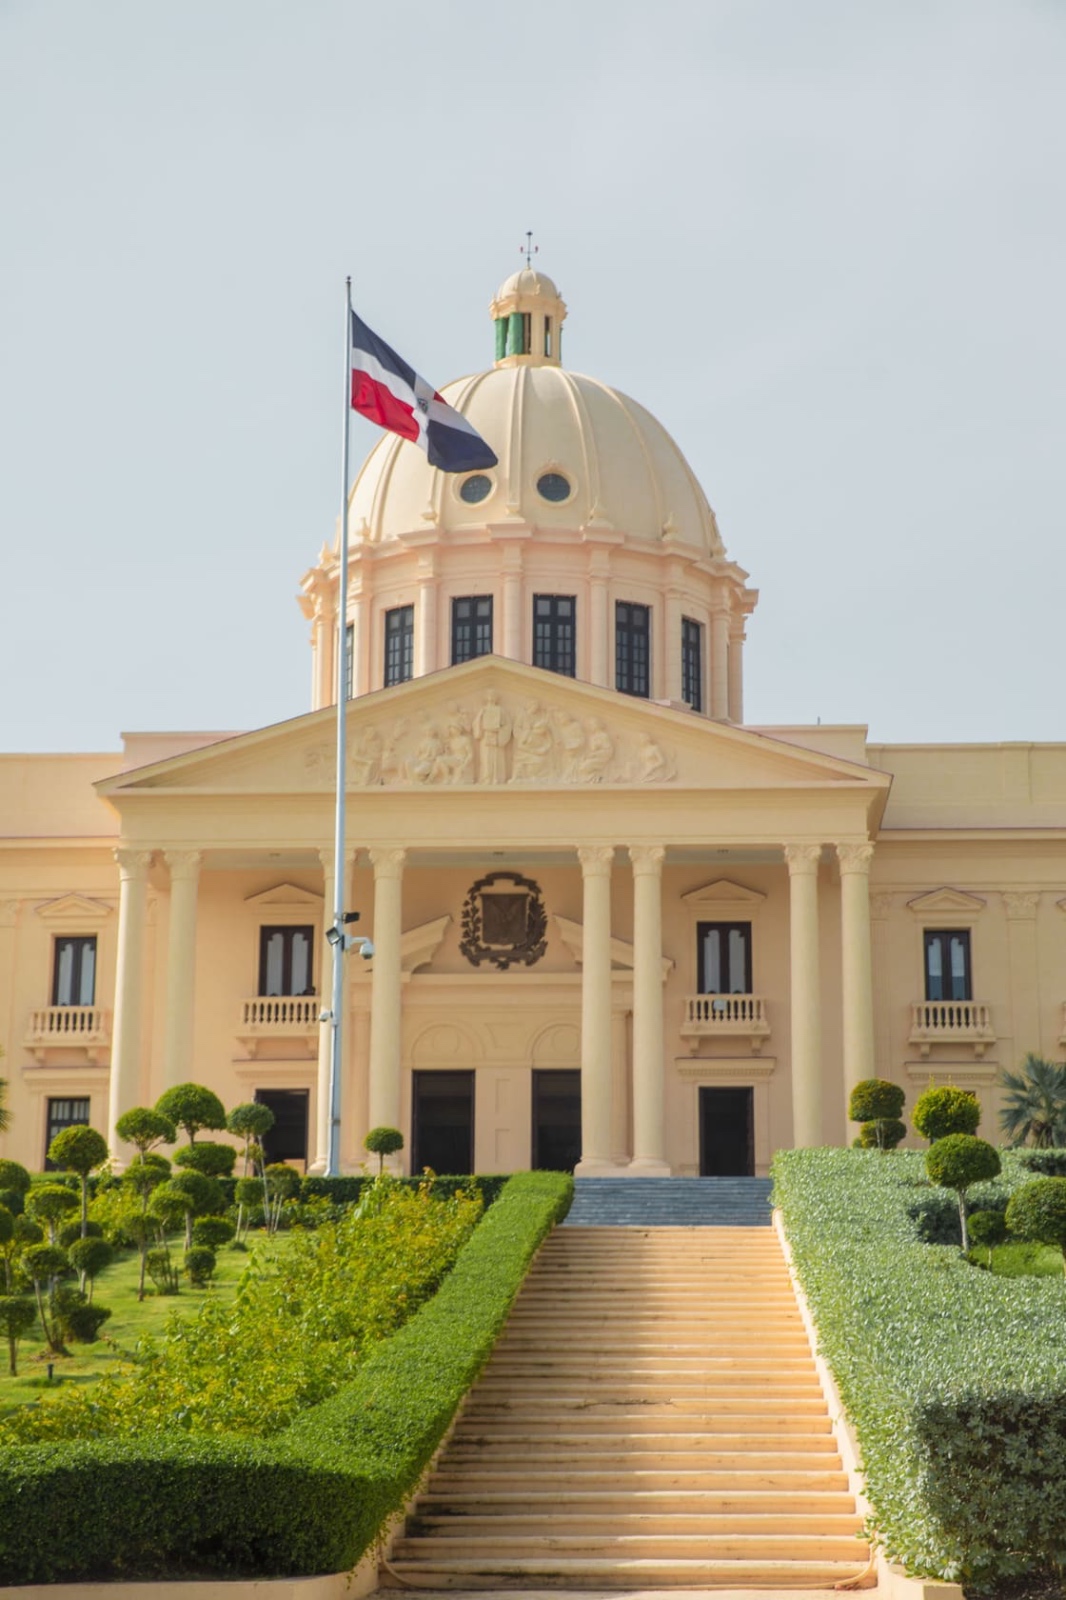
(325, 1016)
(367, 952)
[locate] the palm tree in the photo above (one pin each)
(1034, 1107)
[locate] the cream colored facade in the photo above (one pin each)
(625, 832)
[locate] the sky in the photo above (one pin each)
(823, 241)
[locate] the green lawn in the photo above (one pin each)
(1021, 1260)
(116, 1287)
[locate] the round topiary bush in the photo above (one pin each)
(957, 1162)
(212, 1232)
(941, 1112)
(72, 1231)
(382, 1142)
(14, 1176)
(987, 1228)
(210, 1158)
(1037, 1211)
(199, 1265)
(883, 1135)
(875, 1100)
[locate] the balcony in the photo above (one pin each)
(85, 1028)
(952, 1022)
(283, 1017)
(726, 1016)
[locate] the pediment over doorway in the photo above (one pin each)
(946, 903)
(723, 893)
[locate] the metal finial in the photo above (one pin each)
(529, 249)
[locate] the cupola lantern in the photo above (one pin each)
(528, 313)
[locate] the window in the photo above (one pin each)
(63, 1114)
(349, 657)
(74, 972)
(471, 627)
(287, 1139)
(692, 663)
(474, 490)
(399, 644)
(723, 957)
(554, 621)
(285, 960)
(947, 964)
(547, 336)
(553, 486)
(632, 656)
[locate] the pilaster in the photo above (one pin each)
(803, 860)
(649, 1130)
(596, 863)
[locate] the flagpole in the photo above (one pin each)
(339, 887)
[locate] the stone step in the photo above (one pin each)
(635, 1524)
(628, 1420)
(505, 1540)
(677, 1479)
(572, 1444)
(562, 1407)
(571, 1506)
(605, 1387)
(554, 1572)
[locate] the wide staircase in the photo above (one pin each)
(650, 1418)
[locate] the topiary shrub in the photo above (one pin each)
(79, 1149)
(987, 1229)
(17, 1316)
(192, 1107)
(940, 1112)
(199, 1265)
(957, 1162)
(145, 1126)
(162, 1270)
(49, 1203)
(382, 1142)
(212, 1232)
(884, 1134)
(1037, 1211)
(250, 1122)
(82, 1320)
(14, 1176)
(71, 1232)
(89, 1257)
(1049, 1163)
(211, 1159)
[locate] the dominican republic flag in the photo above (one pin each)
(390, 393)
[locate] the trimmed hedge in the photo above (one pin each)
(309, 1500)
(345, 1191)
(954, 1379)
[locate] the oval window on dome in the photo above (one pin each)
(474, 490)
(553, 486)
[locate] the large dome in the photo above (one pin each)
(613, 463)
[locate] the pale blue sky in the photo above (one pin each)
(823, 241)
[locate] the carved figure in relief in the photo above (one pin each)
(319, 762)
(392, 766)
(571, 737)
(592, 767)
(459, 757)
(364, 757)
(492, 729)
(653, 765)
(425, 766)
(533, 744)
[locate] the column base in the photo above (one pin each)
(644, 1167)
(317, 1168)
(599, 1169)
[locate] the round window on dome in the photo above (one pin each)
(553, 486)
(474, 490)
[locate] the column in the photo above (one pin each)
(385, 988)
(1021, 907)
(621, 1148)
(736, 673)
(649, 1137)
(596, 861)
(599, 623)
(512, 604)
(426, 621)
(856, 965)
(181, 966)
(674, 598)
(803, 862)
(720, 662)
(129, 987)
(325, 1029)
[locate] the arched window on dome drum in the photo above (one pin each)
(547, 336)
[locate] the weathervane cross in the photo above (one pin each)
(529, 249)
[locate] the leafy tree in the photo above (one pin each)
(79, 1149)
(89, 1257)
(212, 1159)
(14, 1176)
(72, 1230)
(957, 1162)
(163, 1271)
(192, 1107)
(172, 1208)
(145, 1127)
(879, 1103)
(382, 1142)
(17, 1317)
(247, 1194)
(1038, 1211)
(884, 1134)
(50, 1203)
(940, 1112)
(988, 1228)
(7, 1238)
(44, 1263)
(76, 1317)
(212, 1232)
(249, 1122)
(1034, 1107)
(199, 1265)
(140, 1181)
(281, 1182)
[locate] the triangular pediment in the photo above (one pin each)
(946, 902)
(501, 724)
(73, 910)
(723, 892)
(573, 936)
(285, 897)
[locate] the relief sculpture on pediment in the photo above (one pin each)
(492, 741)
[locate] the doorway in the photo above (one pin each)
(287, 1139)
(556, 1120)
(727, 1133)
(442, 1119)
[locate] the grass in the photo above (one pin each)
(130, 1321)
(1020, 1260)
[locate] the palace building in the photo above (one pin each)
(613, 924)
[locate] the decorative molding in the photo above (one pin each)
(946, 902)
(573, 936)
(960, 1074)
(723, 892)
(132, 863)
(10, 912)
(285, 897)
(419, 945)
(802, 858)
(734, 1069)
(71, 910)
(855, 857)
(1021, 904)
(388, 862)
(184, 864)
(504, 921)
(647, 859)
(881, 906)
(596, 860)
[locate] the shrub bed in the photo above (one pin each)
(308, 1500)
(955, 1379)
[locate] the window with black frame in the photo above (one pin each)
(632, 648)
(948, 973)
(471, 627)
(692, 663)
(74, 971)
(285, 960)
(399, 644)
(72, 1112)
(554, 633)
(723, 957)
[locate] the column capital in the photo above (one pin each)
(388, 862)
(647, 858)
(1021, 905)
(596, 859)
(802, 858)
(855, 856)
(133, 863)
(184, 864)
